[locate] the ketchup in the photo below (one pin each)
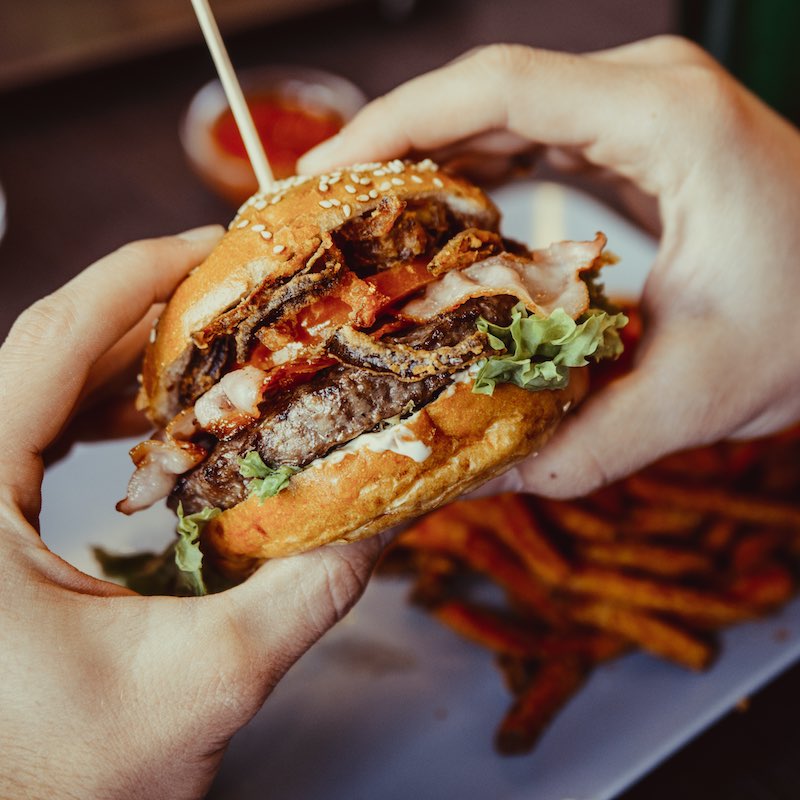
(287, 129)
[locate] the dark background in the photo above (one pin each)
(90, 159)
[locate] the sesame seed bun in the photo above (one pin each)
(271, 238)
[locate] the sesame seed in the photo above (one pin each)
(373, 193)
(325, 203)
(257, 228)
(438, 182)
(379, 173)
(346, 209)
(349, 188)
(335, 202)
(398, 182)
(152, 335)
(323, 187)
(365, 181)
(260, 205)
(385, 186)
(355, 177)
(416, 179)
(279, 248)
(244, 223)
(277, 199)
(362, 198)
(334, 179)
(267, 235)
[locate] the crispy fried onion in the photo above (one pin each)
(394, 232)
(206, 366)
(549, 279)
(232, 404)
(408, 363)
(286, 301)
(226, 323)
(378, 223)
(464, 249)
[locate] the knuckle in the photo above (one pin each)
(381, 108)
(505, 59)
(142, 251)
(715, 94)
(679, 49)
(345, 581)
(55, 315)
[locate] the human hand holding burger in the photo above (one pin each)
(661, 117)
(107, 694)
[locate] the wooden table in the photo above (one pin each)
(93, 161)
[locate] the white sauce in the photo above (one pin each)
(398, 439)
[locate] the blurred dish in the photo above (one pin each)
(293, 108)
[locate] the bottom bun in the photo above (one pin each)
(472, 438)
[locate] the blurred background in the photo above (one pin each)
(93, 94)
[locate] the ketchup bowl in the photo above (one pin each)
(293, 109)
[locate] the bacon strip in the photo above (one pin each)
(158, 465)
(548, 280)
(233, 403)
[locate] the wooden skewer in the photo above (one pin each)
(233, 91)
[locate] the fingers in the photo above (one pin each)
(548, 98)
(53, 346)
(263, 626)
(662, 406)
(290, 602)
(125, 357)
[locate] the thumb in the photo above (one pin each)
(281, 610)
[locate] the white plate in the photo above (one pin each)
(389, 704)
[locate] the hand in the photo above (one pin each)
(719, 356)
(106, 694)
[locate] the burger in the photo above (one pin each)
(360, 348)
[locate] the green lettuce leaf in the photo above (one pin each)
(265, 481)
(538, 351)
(188, 556)
(178, 570)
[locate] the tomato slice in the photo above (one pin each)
(293, 373)
(354, 301)
(329, 310)
(400, 281)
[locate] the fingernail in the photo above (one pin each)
(205, 233)
(319, 157)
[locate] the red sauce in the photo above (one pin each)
(286, 128)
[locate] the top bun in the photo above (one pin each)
(273, 236)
